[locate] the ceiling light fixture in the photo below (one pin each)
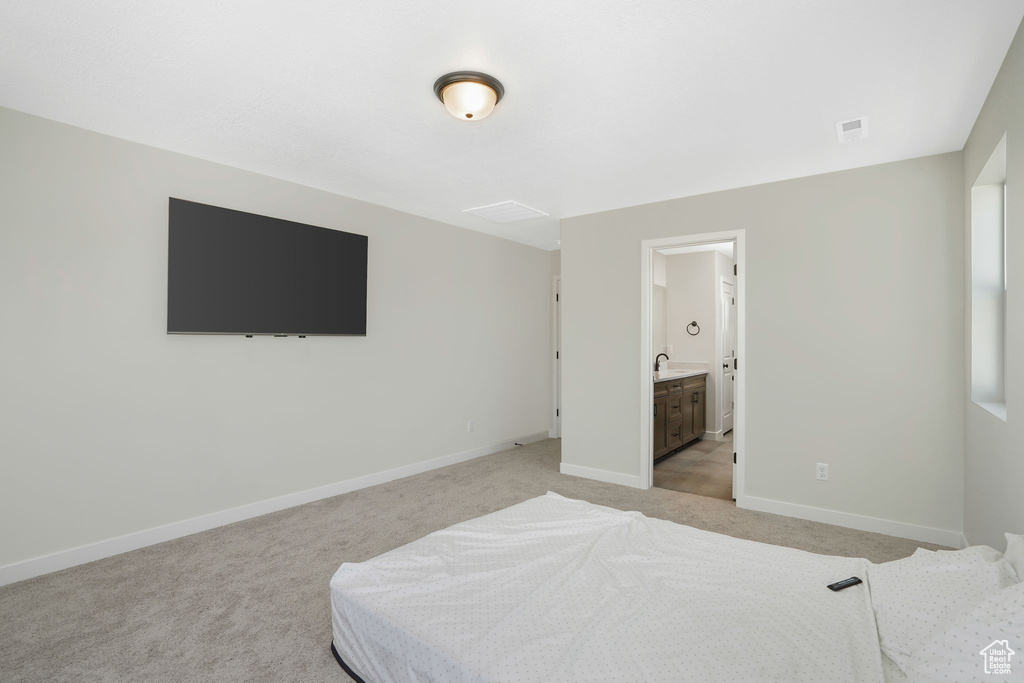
(469, 95)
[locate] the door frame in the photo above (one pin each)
(555, 430)
(645, 368)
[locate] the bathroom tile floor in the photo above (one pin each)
(704, 469)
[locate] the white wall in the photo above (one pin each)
(659, 263)
(659, 305)
(659, 321)
(994, 465)
(854, 336)
(691, 297)
(109, 426)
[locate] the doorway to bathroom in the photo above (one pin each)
(692, 377)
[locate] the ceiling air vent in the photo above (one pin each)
(506, 212)
(852, 129)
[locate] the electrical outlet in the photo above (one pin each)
(469, 426)
(821, 471)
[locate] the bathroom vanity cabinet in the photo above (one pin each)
(679, 412)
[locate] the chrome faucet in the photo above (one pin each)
(657, 361)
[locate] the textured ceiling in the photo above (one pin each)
(608, 103)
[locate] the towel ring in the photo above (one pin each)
(693, 324)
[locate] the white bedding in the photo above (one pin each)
(556, 589)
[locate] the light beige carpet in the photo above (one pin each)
(249, 602)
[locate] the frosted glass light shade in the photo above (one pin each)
(469, 100)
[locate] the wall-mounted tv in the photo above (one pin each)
(231, 272)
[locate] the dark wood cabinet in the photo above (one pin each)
(675, 408)
(700, 405)
(673, 436)
(679, 413)
(660, 425)
(694, 414)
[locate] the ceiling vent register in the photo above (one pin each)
(506, 212)
(852, 129)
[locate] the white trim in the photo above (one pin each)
(45, 564)
(718, 377)
(946, 537)
(714, 436)
(647, 248)
(555, 431)
(997, 408)
(633, 480)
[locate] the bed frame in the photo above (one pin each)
(343, 665)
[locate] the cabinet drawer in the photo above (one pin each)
(674, 386)
(674, 410)
(660, 389)
(695, 382)
(674, 435)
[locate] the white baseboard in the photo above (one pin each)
(714, 436)
(601, 475)
(45, 564)
(946, 537)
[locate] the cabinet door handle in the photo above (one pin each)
(655, 410)
(696, 398)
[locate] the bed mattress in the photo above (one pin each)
(561, 589)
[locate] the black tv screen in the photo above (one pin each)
(231, 272)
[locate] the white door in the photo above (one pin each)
(728, 354)
(558, 358)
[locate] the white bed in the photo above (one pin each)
(556, 589)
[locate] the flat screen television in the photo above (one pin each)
(231, 272)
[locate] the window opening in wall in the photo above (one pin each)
(989, 284)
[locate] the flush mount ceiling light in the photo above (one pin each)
(469, 95)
